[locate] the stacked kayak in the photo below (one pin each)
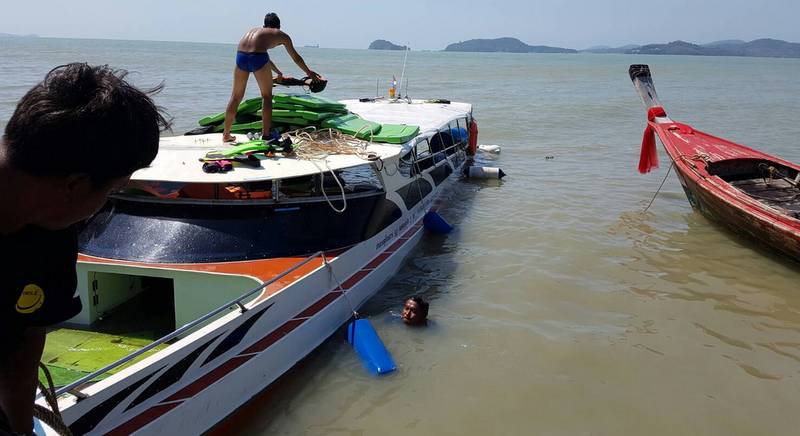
(295, 111)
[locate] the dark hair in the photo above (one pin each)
(423, 305)
(84, 119)
(272, 21)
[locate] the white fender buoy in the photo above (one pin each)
(476, 172)
(489, 148)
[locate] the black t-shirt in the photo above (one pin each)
(38, 278)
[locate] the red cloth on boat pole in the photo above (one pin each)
(648, 159)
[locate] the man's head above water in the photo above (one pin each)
(415, 311)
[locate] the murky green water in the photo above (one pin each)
(557, 307)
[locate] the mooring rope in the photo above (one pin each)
(52, 416)
(659, 188)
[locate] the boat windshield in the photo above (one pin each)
(179, 223)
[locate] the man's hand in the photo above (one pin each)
(313, 75)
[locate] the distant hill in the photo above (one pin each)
(723, 43)
(676, 48)
(757, 48)
(509, 45)
(604, 49)
(382, 44)
(11, 35)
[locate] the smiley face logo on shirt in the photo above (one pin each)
(31, 299)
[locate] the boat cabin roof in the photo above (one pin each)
(428, 116)
(178, 161)
(178, 156)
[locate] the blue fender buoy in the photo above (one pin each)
(436, 224)
(370, 348)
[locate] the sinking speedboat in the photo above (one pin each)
(199, 290)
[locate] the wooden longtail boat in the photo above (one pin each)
(747, 190)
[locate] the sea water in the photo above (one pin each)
(557, 306)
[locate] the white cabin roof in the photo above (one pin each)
(428, 116)
(178, 158)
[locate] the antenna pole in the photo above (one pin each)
(405, 58)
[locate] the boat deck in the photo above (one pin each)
(71, 353)
(775, 193)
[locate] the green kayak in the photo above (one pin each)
(295, 121)
(239, 128)
(352, 124)
(310, 101)
(395, 133)
(290, 106)
(246, 107)
(307, 115)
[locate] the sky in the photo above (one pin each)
(420, 24)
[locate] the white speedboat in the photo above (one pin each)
(199, 290)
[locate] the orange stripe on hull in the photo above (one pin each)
(262, 269)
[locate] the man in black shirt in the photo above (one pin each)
(73, 138)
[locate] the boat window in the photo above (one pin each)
(353, 180)
(424, 155)
(406, 163)
(414, 192)
(440, 173)
(463, 128)
(360, 179)
(443, 140)
(191, 232)
(458, 128)
(177, 191)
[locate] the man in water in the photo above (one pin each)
(252, 57)
(73, 138)
(415, 311)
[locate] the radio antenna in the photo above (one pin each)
(405, 58)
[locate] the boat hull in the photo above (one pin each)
(694, 154)
(209, 399)
(207, 375)
(740, 220)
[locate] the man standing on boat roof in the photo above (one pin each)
(73, 139)
(252, 57)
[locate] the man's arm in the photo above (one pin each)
(19, 371)
(287, 42)
(275, 69)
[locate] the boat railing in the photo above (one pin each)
(70, 388)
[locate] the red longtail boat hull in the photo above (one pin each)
(749, 191)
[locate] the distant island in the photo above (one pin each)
(508, 45)
(773, 48)
(604, 49)
(11, 35)
(765, 47)
(382, 44)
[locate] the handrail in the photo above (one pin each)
(184, 328)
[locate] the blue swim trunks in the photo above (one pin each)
(251, 62)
